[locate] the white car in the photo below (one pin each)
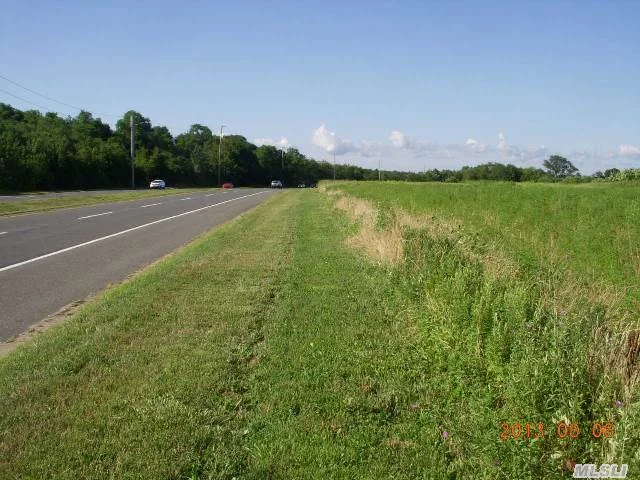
(276, 184)
(157, 184)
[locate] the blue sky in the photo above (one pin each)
(411, 84)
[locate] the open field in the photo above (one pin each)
(591, 232)
(47, 202)
(326, 335)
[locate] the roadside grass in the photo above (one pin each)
(32, 205)
(151, 377)
(272, 348)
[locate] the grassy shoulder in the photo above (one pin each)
(152, 376)
(271, 349)
(35, 204)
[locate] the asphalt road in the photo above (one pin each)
(48, 260)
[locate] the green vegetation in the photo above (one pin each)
(589, 232)
(35, 204)
(628, 174)
(559, 167)
(272, 348)
(48, 152)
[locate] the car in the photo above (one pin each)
(158, 184)
(227, 185)
(276, 184)
(302, 185)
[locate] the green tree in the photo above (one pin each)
(270, 162)
(559, 167)
(611, 172)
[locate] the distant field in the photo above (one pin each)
(35, 204)
(386, 333)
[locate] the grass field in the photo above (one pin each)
(591, 231)
(35, 204)
(326, 335)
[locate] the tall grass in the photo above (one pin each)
(590, 231)
(510, 347)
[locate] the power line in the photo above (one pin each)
(174, 127)
(23, 99)
(53, 99)
(47, 109)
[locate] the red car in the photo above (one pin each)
(227, 185)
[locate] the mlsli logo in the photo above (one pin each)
(589, 470)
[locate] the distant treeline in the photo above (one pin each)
(45, 151)
(50, 152)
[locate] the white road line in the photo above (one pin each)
(151, 205)
(209, 194)
(188, 198)
(96, 215)
(2, 233)
(106, 237)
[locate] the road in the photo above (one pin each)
(48, 260)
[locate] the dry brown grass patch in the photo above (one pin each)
(385, 246)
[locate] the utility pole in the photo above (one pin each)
(220, 154)
(282, 160)
(133, 151)
(379, 171)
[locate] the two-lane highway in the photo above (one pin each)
(48, 260)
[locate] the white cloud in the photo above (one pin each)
(330, 142)
(503, 146)
(419, 148)
(475, 146)
(523, 156)
(399, 139)
(628, 151)
(282, 143)
(402, 152)
(373, 148)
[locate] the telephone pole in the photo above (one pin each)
(133, 151)
(220, 154)
(379, 171)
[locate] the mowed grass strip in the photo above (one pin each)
(151, 379)
(32, 205)
(340, 390)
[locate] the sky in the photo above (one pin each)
(407, 85)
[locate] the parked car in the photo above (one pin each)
(302, 185)
(276, 184)
(227, 185)
(158, 184)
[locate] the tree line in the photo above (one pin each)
(47, 152)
